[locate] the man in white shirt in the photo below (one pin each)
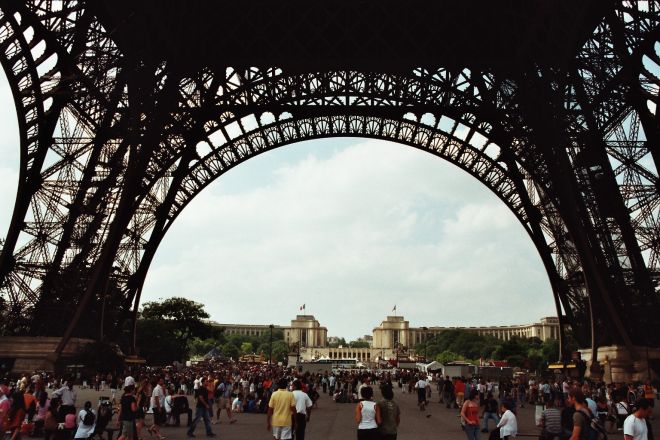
(68, 396)
(508, 424)
(158, 407)
(634, 427)
(421, 386)
(303, 409)
(332, 381)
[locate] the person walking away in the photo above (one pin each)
(367, 416)
(332, 382)
(201, 412)
(470, 415)
(324, 383)
(128, 409)
(180, 406)
(390, 415)
(303, 409)
(459, 388)
(281, 408)
(635, 426)
(622, 411)
(550, 422)
(448, 392)
(490, 411)
(86, 422)
(508, 424)
(420, 386)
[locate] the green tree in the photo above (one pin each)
(246, 348)
(341, 342)
(199, 346)
(358, 344)
(448, 356)
(280, 351)
(166, 327)
(230, 351)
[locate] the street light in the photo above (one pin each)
(426, 343)
(270, 344)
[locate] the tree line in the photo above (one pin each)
(463, 345)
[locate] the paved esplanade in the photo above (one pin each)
(335, 421)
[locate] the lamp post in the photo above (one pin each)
(270, 344)
(426, 343)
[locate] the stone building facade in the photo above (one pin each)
(393, 337)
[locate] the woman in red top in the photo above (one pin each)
(470, 416)
(15, 416)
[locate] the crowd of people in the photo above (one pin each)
(41, 405)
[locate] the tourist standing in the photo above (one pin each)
(157, 407)
(68, 396)
(508, 423)
(86, 422)
(303, 409)
(470, 415)
(390, 415)
(550, 422)
(281, 407)
(367, 416)
(581, 416)
(635, 426)
(128, 408)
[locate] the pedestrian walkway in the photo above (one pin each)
(335, 421)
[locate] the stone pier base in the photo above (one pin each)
(27, 353)
(619, 365)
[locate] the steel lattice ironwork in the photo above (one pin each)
(117, 138)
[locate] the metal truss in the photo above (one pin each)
(113, 148)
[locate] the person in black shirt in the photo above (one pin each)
(180, 406)
(448, 392)
(201, 411)
(128, 410)
(490, 411)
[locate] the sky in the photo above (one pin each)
(348, 227)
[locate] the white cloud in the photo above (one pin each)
(373, 225)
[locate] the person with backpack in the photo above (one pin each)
(86, 422)
(585, 425)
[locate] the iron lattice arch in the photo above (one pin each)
(115, 143)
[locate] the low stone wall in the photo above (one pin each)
(36, 352)
(619, 365)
